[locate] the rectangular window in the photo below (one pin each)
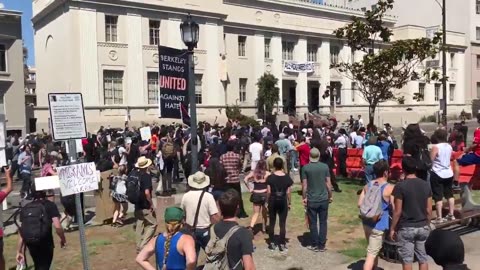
(478, 61)
(267, 48)
(451, 92)
(113, 87)
(242, 90)
(312, 50)
(152, 84)
(478, 89)
(3, 58)
(154, 32)
(334, 53)
(198, 88)
(478, 33)
(242, 45)
(452, 60)
(421, 91)
(111, 28)
(287, 50)
(437, 92)
(477, 6)
(354, 91)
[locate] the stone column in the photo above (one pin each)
(134, 94)
(301, 92)
(324, 59)
(88, 55)
(277, 63)
(212, 89)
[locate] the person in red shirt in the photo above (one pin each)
(303, 150)
(472, 153)
(3, 195)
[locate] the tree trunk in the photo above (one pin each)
(371, 114)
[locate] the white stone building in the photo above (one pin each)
(107, 50)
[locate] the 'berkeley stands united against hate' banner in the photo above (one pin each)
(173, 82)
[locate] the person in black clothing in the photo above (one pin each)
(446, 249)
(279, 190)
(326, 156)
(415, 143)
(42, 253)
(218, 177)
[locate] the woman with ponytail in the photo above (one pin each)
(173, 249)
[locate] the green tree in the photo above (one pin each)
(378, 75)
(268, 95)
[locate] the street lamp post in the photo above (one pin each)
(443, 105)
(189, 30)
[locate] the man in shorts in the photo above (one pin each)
(472, 153)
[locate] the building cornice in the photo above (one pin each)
(112, 45)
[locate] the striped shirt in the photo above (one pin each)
(232, 163)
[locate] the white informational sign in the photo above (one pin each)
(47, 182)
(67, 116)
(292, 66)
(146, 134)
(78, 178)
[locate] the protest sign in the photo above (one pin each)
(78, 178)
(67, 116)
(173, 81)
(146, 134)
(47, 182)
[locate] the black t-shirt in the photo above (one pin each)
(240, 244)
(414, 194)
(145, 184)
(279, 184)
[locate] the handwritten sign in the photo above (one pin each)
(47, 182)
(77, 178)
(146, 134)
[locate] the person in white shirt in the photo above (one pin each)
(353, 134)
(342, 143)
(255, 150)
(360, 121)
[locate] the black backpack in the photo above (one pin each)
(36, 225)
(116, 155)
(133, 187)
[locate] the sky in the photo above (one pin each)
(25, 6)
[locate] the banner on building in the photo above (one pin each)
(173, 82)
(307, 67)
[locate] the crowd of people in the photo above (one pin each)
(265, 159)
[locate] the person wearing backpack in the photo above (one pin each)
(173, 249)
(374, 203)
(230, 246)
(169, 155)
(139, 192)
(411, 216)
(118, 190)
(35, 232)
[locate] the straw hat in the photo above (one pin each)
(143, 162)
(198, 180)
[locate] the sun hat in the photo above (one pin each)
(198, 180)
(173, 213)
(143, 162)
(314, 155)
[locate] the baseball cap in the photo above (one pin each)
(174, 214)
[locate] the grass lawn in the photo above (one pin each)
(345, 233)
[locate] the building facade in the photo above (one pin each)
(461, 18)
(12, 95)
(112, 57)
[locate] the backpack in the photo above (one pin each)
(36, 225)
(216, 250)
(425, 162)
(371, 208)
(168, 149)
(133, 187)
(116, 155)
(121, 187)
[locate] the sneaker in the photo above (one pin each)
(313, 248)
(450, 217)
(322, 249)
(283, 248)
(295, 169)
(438, 220)
(272, 247)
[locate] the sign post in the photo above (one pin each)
(67, 119)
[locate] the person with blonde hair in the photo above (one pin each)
(173, 249)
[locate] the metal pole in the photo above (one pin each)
(193, 111)
(443, 106)
(72, 156)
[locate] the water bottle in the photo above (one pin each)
(21, 266)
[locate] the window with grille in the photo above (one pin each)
(154, 32)
(354, 91)
(334, 53)
(198, 88)
(3, 58)
(152, 84)
(437, 92)
(267, 48)
(242, 90)
(451, 92)
(111, 23)
(242, 45)
(113, 87)
(312, 50)
(421, 91)
(287, 50)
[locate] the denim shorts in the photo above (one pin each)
(412, 243)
